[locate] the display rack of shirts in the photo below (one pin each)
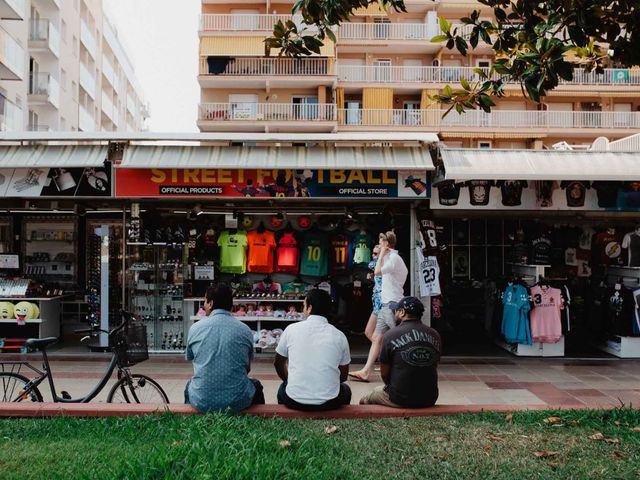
(545, 316)
(362, 246)
(233, 251)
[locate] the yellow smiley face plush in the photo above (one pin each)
(6, 310)
(25, 311)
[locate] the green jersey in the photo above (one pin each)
(233, 251)
(362, 244)
(315, 255)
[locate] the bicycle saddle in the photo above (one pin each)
(40, 343)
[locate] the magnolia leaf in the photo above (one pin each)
(444, 25)
(596, 436)
(439, 38)
(612, 440)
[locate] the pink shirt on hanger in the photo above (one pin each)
(546, 325)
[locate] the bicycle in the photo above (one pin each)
(128, 344)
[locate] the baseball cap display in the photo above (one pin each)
(409, 305)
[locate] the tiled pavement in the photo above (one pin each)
(507, 381)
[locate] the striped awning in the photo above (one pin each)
(489, 164)
(66, 156)
(251, 46)
(371, 158)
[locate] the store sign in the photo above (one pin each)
(537, 195)
(55, 182)
(272, 183)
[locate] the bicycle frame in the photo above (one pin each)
(47, 375)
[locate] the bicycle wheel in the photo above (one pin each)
(13, 386)
(137, 388)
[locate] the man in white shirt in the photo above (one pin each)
(312, 359)
(394, 274)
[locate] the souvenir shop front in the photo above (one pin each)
(156, 235)
(542, 252)
(272, 233)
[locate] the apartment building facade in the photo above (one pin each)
(379, 77)
(63, 68)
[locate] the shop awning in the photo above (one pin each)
(372, 158)
(66, 156)
(487, 164)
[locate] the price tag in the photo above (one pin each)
(9, 261)
(203, 272)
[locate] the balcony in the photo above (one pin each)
(532, 121)
(12, 118)
(86, 122)
(43, 35)
(11, 57)
(88, 40)
(409, 76)
(131, 105)
(210, 23)
(388, 37)
(44, 89)
(270, 116)
(109, 73)
(13, 9)
(87, 81)
(217, 72)
(109, 108)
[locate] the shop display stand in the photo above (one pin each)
(532, 273)
(623, 347)
(256, 320)
(48, 325)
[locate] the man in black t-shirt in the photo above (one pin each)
(408, 360)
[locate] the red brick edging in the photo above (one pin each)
(41, 410)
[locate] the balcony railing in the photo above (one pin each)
(13, 9)
(409, 74)
(243, 22)
(266, 66)
(38, 128)
(44, 84)
(495, 119)
(267, 112)
(45, 31)
(109, 108)
(87, 80)
(86, 123)
(387, 31)
(12, 118)
(11, 57)
(109, 72)
(87, 38)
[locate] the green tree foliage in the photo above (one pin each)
(536, 43)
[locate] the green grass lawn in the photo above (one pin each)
(223, 447)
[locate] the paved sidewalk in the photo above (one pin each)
(510, 381)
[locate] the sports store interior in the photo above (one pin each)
(571, 265)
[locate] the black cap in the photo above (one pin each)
(411, 305)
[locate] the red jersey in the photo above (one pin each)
(287, 254)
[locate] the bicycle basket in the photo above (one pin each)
(130, 344)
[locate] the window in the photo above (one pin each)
(74, 91)
(484, 144)
(63, 31)
(63, 124)
(74, 46)
(63, 79)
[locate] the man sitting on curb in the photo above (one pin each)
(312, 359)
(408, 360)
(221, 348)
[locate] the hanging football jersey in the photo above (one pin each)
(261, 248)
(315, 249)
(428, 274)
(362, 245)
(339, 253)
(546, 321)
(515, 315)
(233, 251)
(287, 254)
(427, 228)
